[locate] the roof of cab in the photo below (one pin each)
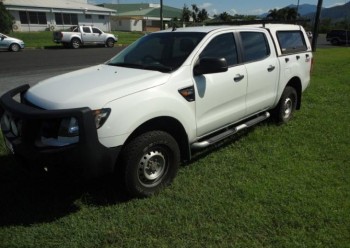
(207, 29)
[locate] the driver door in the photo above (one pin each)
(220, 97)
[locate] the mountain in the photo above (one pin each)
(337, 13)
(308, 11)
(304, 9)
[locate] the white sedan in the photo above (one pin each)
(11, 44)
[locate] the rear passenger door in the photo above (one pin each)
(262, 67)
(220, 97)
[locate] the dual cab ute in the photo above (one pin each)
(84, 35)
(156, 102)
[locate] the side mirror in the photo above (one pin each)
(209, 65)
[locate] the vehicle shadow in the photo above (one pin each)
(27, 198)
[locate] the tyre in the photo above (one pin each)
(75, 43)
(286, 106)
(110, 42)
(150, 163)
(15, 47)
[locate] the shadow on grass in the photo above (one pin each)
(27, 198)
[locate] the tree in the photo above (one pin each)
(273, 14)
(203, 15)
(186, 14)
(285, 14)
(225, 17)
(197, 14)
(6, 19)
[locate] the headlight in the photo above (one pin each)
(60, 133)
(69, 127)
(101, 116)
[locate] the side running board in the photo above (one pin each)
(214, 139)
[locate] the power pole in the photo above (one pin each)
(161, 14)
(317, 22)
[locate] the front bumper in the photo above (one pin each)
(87, 157)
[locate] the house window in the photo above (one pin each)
(27, 17)
(67, 19)
(101, 17)
(88, 17)
(23, 17)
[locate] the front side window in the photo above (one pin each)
(255, 46)
(291, 41)
(159, 51)
(96, 31)
(222, 46)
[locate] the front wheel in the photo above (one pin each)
(150, 163)
(110, 42)
(286, 106)
(15, 47)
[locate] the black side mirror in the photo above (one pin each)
(209, 65)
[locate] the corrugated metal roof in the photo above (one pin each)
(144, 10)
(55, 4)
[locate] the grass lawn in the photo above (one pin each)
(274, 186)
(44, 39)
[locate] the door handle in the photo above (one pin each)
(238, 78)
(271, 68)
(298, 57)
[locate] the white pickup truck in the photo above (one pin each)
(84, 35)
(159, 100)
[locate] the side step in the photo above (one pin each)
(214, 139)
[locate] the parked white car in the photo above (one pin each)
(84, 35)
(10, 43)
(158, 101)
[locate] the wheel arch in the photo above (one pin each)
(295, 82)
(75, 37)
(169, 125)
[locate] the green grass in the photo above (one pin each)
(44, 39)
(274, 186)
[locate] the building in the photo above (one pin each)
(141, 17)
(40, 15)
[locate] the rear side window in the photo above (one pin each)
(255, 46)
(291, 41)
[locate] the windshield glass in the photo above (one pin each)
(163, 52)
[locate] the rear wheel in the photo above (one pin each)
(150, 163)
(286, 106)
(75, 43)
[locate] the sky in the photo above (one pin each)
(244, 7)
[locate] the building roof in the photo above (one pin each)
(145, 10)
(55, 4)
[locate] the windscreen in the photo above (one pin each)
(164, 52)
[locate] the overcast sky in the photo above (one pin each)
(246, 7)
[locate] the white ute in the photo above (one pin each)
(84, 35)
(147, 109)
